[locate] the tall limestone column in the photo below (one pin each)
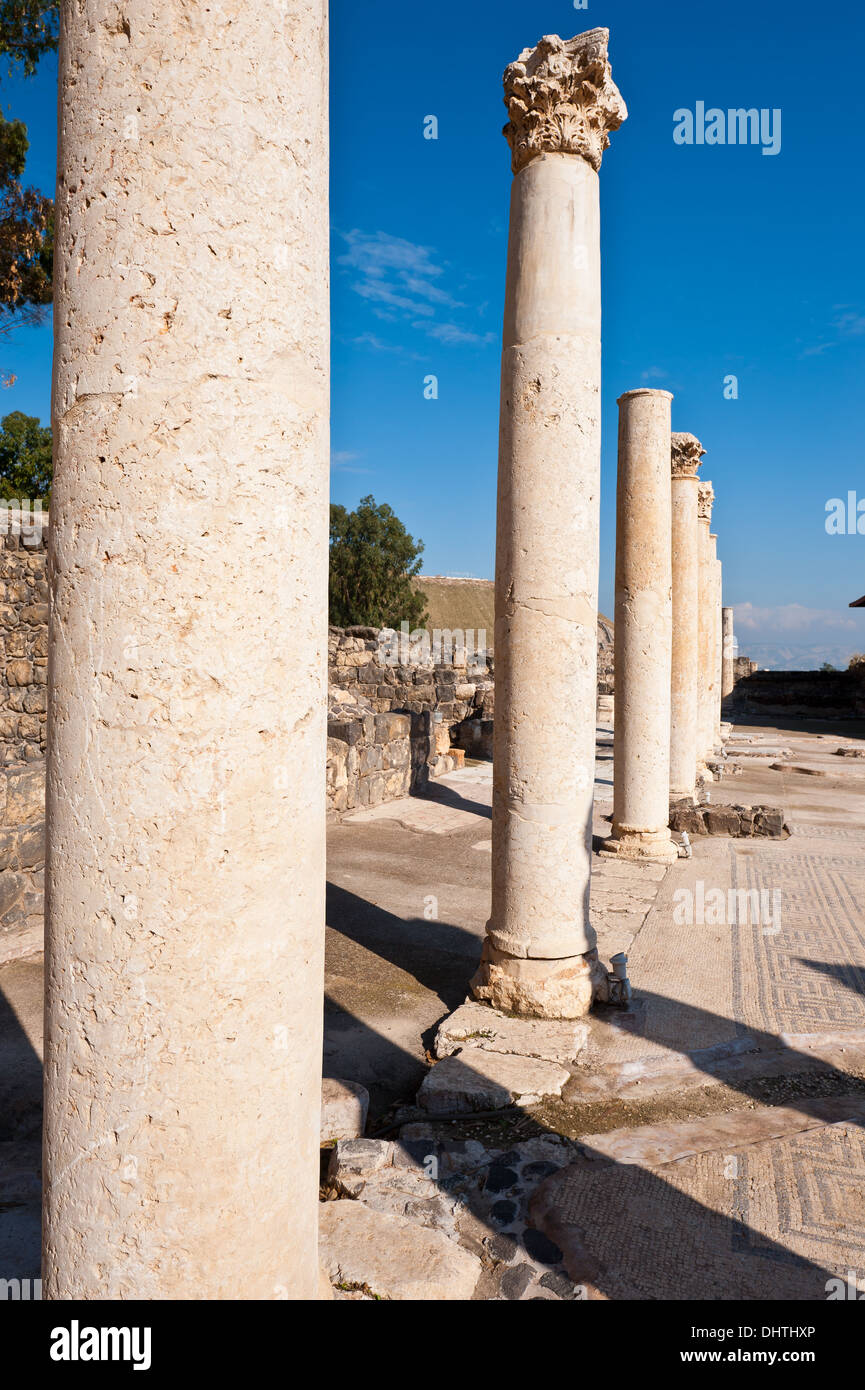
(728, 638)
(643, 630)
(686, 452)
(718, 643)
(189, 536)
(537, 959)
(706, 596)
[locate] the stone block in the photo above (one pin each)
(475, 1025)
(721, 820)
(477, 1080)
(19, 672)
(392, 1257)
(346, 731)
(357, 1158)
(344, 1107)
(391, 726)
(25, 795)
(686, 818)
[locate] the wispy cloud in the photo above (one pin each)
(452, 333)
(341, 461)
(848, 323)
(792, 617)
(403, 282)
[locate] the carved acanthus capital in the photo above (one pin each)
(685, 454)
(705, 500)
(561, 98)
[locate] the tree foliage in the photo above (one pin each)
(28, 30)
(25, 458)
(373, 560)
(26, 234)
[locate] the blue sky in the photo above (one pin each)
(716, 260)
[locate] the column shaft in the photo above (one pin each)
(643, 629)
(185, 806)
(686, 453)
(706, 590)
(728, 676)
(539, 932)
(719, 645)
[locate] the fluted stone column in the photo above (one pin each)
(707, 592)
(643, 629)
(562, 102)
(728, 639)
(185, 807)
(686, 452)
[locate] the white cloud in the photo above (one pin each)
(792, 617)
(402, 281)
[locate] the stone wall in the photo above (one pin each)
(394, 724)
(23, 637)
(22, 857)
(801, 694)
(23, 716)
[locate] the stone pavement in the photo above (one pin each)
(706, 1142)
(709, 1141)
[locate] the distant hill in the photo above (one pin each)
(459, 603)
(789, 656)
(467, 603)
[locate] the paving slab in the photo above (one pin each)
(477, 1080)
(391, 1257)
(475, 1025)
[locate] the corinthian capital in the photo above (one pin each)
(561, 98)
(705, 500)
(685, 454)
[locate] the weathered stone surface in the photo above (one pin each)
(643, 634)
(391, 1256)
(477, 1080)
(359, 1157)
(561, 98)
(25, 795)
(534, 988)
(477, 1026)
(735, 821)
(344, 1107)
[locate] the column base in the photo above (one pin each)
(534, 988)
(654, 846)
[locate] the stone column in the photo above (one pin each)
(706, 591)
(185, 805)
(718, 644)
(728, 639)
(686, 452)
(643, 629)
(562, 102)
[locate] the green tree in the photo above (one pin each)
(26, 234)
(28, 30)
(373, 560)
(25, 458)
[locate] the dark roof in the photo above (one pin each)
(859, 603)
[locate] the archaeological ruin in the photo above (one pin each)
(513, 956)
